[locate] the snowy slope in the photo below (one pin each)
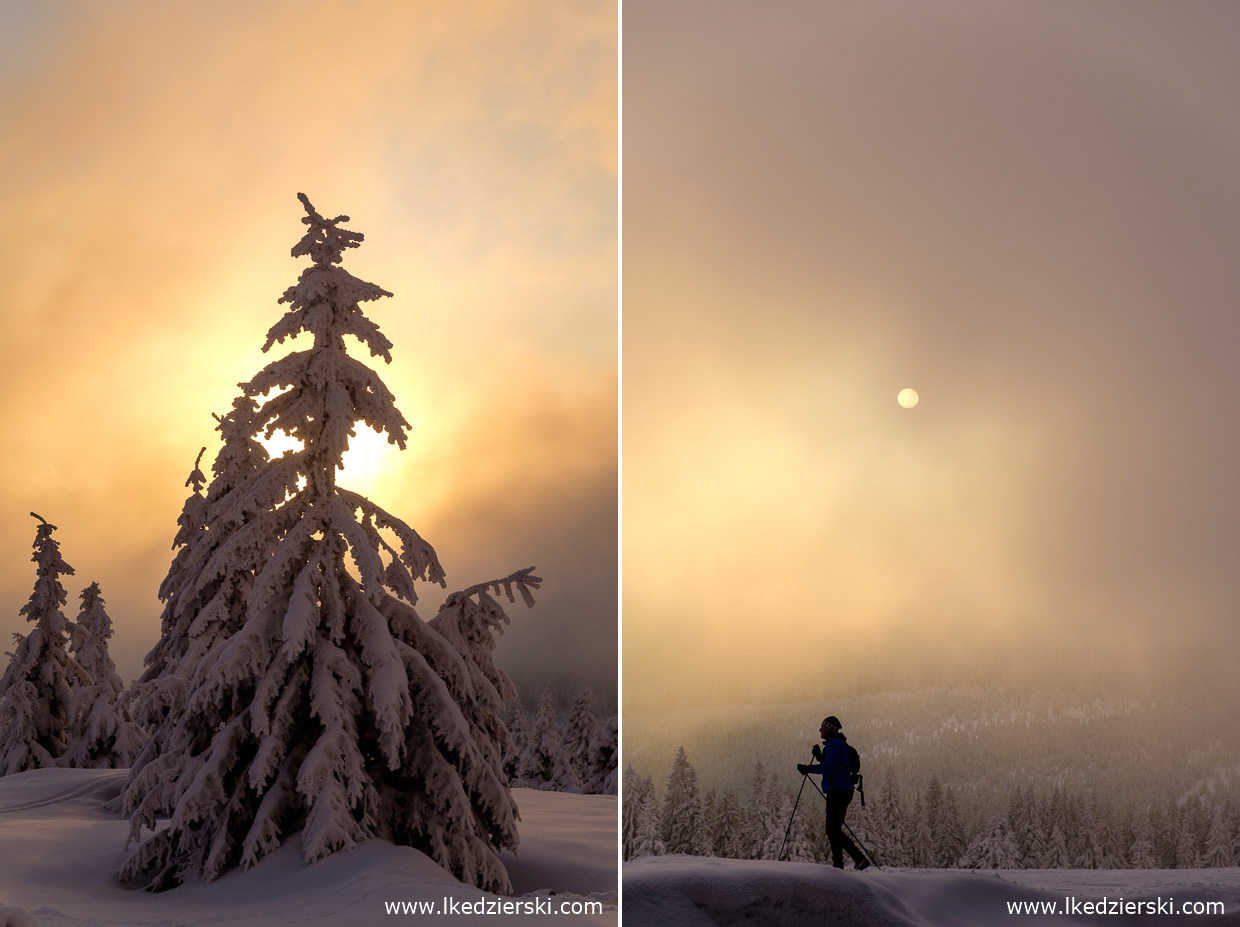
(58, 848)
(690, 891)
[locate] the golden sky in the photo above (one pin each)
(1028, 213)
(150, 159)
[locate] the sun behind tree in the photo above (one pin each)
(295, 689)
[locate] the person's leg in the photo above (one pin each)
(835, 821)
(838, 801)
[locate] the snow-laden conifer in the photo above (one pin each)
(201, 609)
(683, 827)
(949, 839)
(728, 826)
(993, 848)
(315, 699)
(1141, 850)
(1219, 850)
(891, 822)
(604, 756)
(580, 732)
(543, 762)
(761, 823)
(469, 621)
(641, 825)
(36, 691)
(518, 737)
(102, 735)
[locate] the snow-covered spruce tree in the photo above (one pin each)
(36, 691)
(993, 848)
(760, 815)
(579, 733)
(203, 607)
(727, 827)
(316, 700)
(543, 762)
(639, 824)
(684, 830)
(518, 736)
(469, 621)
(604, 754)
(102, 735)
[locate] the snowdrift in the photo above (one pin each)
(691, 891)
(59, 847)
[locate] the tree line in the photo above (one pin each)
(932, 828)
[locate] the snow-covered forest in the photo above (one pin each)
(955, 778)
(294, 691)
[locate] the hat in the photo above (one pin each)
(832, 721)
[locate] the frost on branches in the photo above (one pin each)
(294, 688)
(102, 734)
(36, 691)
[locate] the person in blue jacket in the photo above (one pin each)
(837, 786)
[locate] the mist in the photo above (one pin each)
(1026, 214)
(151, 164)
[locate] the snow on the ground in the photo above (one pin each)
(692, 891)
(59, 848)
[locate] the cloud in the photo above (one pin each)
(151, 158)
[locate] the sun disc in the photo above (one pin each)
(908, 398)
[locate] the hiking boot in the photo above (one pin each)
(863, 864)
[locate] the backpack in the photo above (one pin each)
(854, 771)
(854, 763)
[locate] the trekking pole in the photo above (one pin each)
(861, 846)
(804, 779)
(851, 835)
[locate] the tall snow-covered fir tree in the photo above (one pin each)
(102, 735)
(294, 688)
(36, 691)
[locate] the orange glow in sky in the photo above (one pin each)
(152, 155)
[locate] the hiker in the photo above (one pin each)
(833, 765)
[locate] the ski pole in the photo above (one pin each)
(804, 779)
(851, 835)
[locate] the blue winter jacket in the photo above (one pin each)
(834, 766)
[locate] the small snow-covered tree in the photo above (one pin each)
(993, 848)
(518, 737)
(543, 763)
(683, 830)
(202, 607)
(1057, 855)
(604, 753)
(1219, 849)
(303, 693)
(1141, 850)
(762, 816)
(949, 839)
(101, 732)
(469, 621)
(36, 691)
(891, 824)
(727, 827)
(639, 823)
(579, 733)
(921, 837)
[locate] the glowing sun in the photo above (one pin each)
(908, 398)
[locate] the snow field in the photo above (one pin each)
(59, 848)
(689, 891)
